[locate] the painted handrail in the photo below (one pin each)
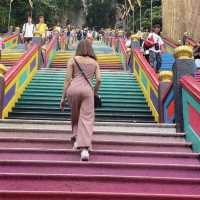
(170, 42)
(147, 68)
(50, 51)
(191, 110)
(122, 46)
(148, 81)
(17, 79)
(191, 42)
(11, 41)
(191, 85)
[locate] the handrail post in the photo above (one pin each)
(184, 65)
(2, 88)
(165, 78)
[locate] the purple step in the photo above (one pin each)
(114, 169)
(83, 183)
(49, 195)
(97, 145)
(101, 156)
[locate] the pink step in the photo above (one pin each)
(114, 169)
(100, 156)
(49, 195)
(105, 184)
(97, 145)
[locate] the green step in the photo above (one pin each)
(129, 120)
(101, 89)
(103, 96)
(102, 109)
(38, 91)
(102, 86)
(105, 105)
(63, 114)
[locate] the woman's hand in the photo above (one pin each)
(62, 104)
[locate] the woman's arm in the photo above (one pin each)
(98, 79)
(68, 78)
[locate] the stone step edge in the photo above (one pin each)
(41, 176)
(88, 195)
(110, 152)
(105, 164)
(122, 124)
(102, 142)
(67, 130)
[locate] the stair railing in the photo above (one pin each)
(50, 51)
(15, 81)
(191, 110)
(148, 81)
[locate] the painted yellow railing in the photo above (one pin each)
(17, 79)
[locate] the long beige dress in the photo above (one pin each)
(81, 100)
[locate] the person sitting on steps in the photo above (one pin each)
(80, 95)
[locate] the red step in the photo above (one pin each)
(30, 195)
(105, 184)
(100, 156)
(114, 169)
(97, 145)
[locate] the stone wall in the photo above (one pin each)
(181, 16)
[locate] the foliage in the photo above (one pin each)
(100, 13)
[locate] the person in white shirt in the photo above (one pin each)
(157, 49)
(28, 31)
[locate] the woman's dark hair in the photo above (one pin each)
(84, 49)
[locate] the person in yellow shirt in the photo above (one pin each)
(42, 28)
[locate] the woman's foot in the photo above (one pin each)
(85, 155)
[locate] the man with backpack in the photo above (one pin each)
(28, 31)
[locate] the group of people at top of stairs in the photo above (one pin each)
(68, 35)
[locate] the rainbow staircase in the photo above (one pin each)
(132, 157)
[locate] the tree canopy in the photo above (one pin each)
(100, 13)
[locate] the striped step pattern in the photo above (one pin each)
(106, 61)
(121, 96)
(197, 76)
(138, 161)
(10, 58)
